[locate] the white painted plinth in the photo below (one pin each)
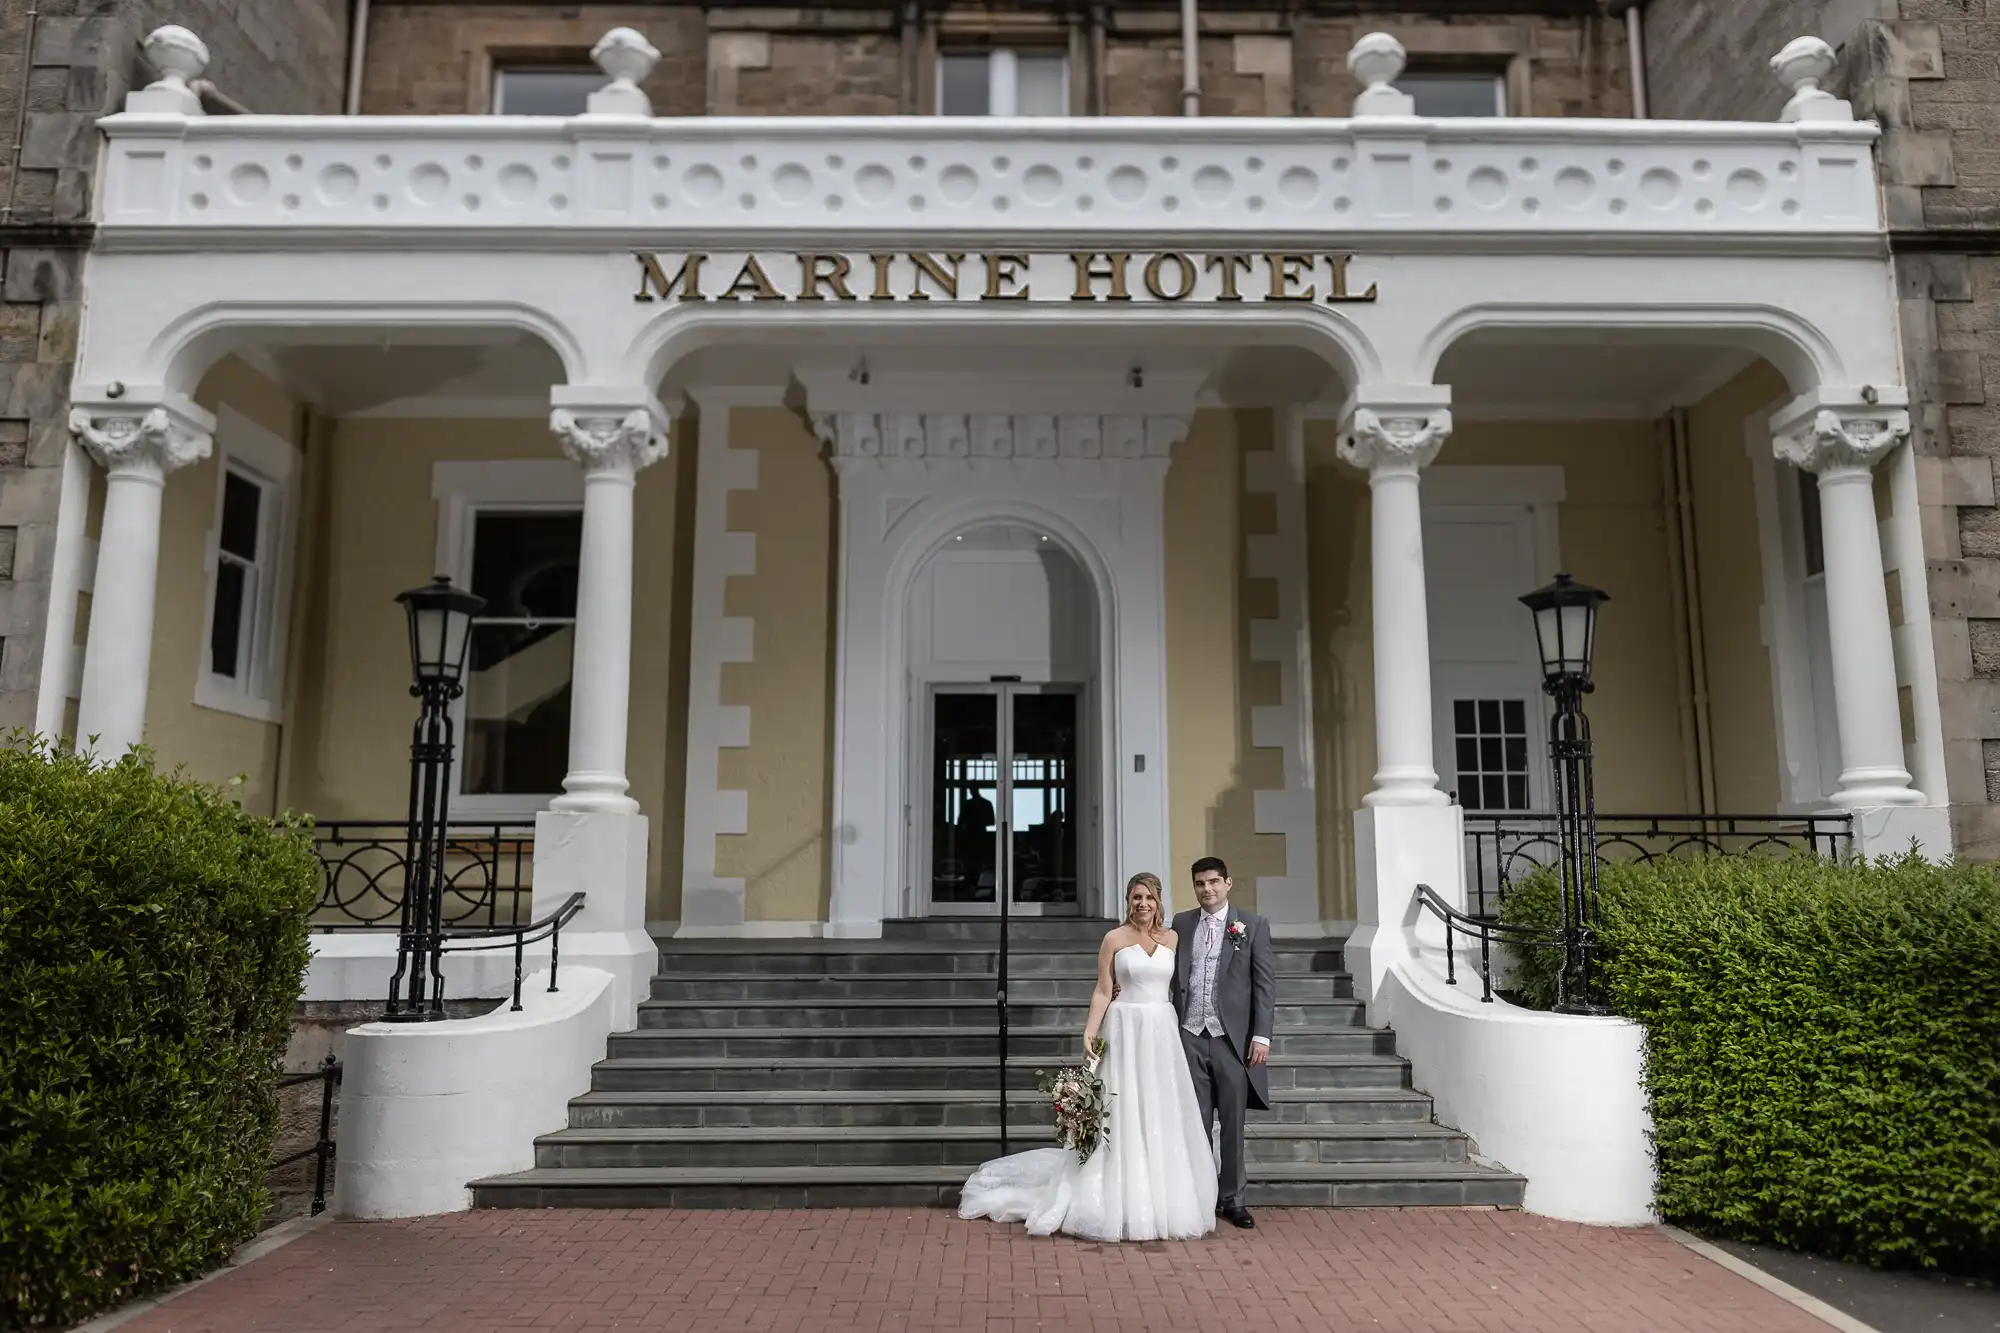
(603, 856)
(357, 965)
(1889, 830)
(1558, 1098)
(426, 1108)
(1396, 848)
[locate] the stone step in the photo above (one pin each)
(1381, 1108)
(676, 1069)
(801, 957)
(831, 1013)
(735, 987)
(1357, 1184)
(968, 1041)
(961, 1146)
(979, 929)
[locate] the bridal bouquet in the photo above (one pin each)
(1082, 1107)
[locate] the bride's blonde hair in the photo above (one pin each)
(1151, 882)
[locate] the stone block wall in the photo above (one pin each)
(79, 62)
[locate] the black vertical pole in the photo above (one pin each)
(1576, 797)
(1003, 885)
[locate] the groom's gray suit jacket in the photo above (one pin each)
(1246, 987)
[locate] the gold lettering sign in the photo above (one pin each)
(1167, 276)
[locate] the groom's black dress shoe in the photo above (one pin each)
(1238, 1216)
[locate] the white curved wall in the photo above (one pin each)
(1558, 1098)
(426, 1108)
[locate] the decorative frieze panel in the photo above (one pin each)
(890, 437)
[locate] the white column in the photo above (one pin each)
(611, 436)
(1841, 445)
(137, 445)
(1394, 444)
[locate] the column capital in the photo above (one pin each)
(1389, 437)
(146, 438)
(609, 430)
(1832, 431)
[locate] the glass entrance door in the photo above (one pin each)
(1005, 797)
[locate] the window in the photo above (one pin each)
(242, 652)
(1490, 737)
(1003, 83)
(555, 91)
(1456, 94)
(512, 533)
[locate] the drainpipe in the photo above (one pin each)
(21, 114)
(1190, 59)
(357, 57)
(1635, 46)
(1691, 652)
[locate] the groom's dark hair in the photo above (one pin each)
(1206, 864)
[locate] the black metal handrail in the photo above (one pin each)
(1487, 930)
(488, 863)
(1004, 890)
(328, 1077)
(520, 937)
(1503, 849)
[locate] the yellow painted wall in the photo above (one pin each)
(1743, 722)
(214, 746)
(1343, 665)
(787, 768)
(1212, 769)
(377, 535)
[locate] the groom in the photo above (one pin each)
(1225, 989)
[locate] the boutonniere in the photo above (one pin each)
(1236, 934)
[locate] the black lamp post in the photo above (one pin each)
(440, 631)
(1566, 632)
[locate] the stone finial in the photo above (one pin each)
(1377, 60)
(628, 58)
(179, 56)
(1802, 66)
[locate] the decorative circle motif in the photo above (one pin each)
(791, 183)
(1575, 187)
(472, 203)
(1788, 168)
(1701, 168)
(1001, 163)
(957, 183)
(1615, 167)
(558, 202)
(873, 183)
(516, 181)
(1704, 206)
(1791, 208)
(749, 162)
(249, 183)
(917, 204)
(474, 162)
(661, 161)
(1617, 206)
(1127, 185)
(1256, 203)
(1486, 187)
(1256, 164)
(561, 161)
(1213, 185)
(381, 202)
(1340, 165)
(1298, 186)
(1171, 204)
(1085, 163)
(1444, 203)
(1660, 187)
(1002, 204)
(203, 162)
(1041, 184)
(1085, 203)
(1529, 166)
(291, 203)
(834, 162)
(383, 162)
(746, 201)
(1342, 204)
(198, 201)
(428, 183)
(294, 162)
(834, 203)
(702, 183)
(338, 183)
(659, 201)
(1441, 165)
(916, 164)
(1747, 189)
(1170, 163)
(1531, 205)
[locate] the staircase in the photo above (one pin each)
(859, 1073)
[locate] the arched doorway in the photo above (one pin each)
(1003, 777)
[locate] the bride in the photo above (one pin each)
(1153, 1176)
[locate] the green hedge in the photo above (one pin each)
(152, 944)
(1822, 1047)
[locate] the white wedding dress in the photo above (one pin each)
(1154, 1177)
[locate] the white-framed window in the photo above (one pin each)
(512, 532)
(249, 567)
(999, 81)
(548, 90)
(1448, 93)
(1489, 740)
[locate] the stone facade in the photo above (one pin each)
(78, 63)
(1929, 72)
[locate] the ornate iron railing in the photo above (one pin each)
(489, 880)
(327, 1075)
(1502, 850)
(479, 939)
(1487, 931)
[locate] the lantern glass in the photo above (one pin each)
(1566, 627)
(440, 629)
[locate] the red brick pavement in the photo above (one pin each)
(890, 1271)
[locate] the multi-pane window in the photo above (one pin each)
(241, 556)
(1001, 82)
(1490, 737)
(1452, 93)
(1809, 525)
(517, 698)
(548, 91)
